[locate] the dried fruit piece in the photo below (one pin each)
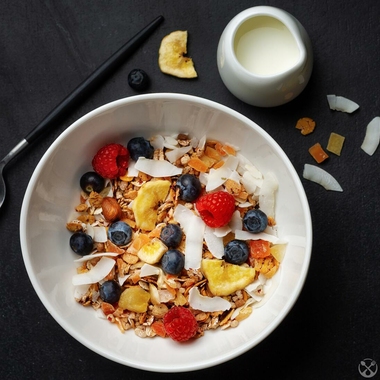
(150, 195)
(171, 56)
(318, 153)
(152, 252)
(134, 299)
(225, 278)
(306, 125)
(335, 143)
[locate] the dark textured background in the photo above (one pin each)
(48, 47)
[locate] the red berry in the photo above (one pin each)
(216, 209)
(180, 324)
(111, 161)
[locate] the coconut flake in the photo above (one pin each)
(100, 234)
(93, 256)
(96, 273)
(132, 171)
(267, 194)
(202, 142)
(157, 168)
(316, 174)
(194, 228)
(207, 304)
(372, 136)
(340, 103)
(149, 270)
(157, 142)
(175, 154)
(80, 291)
(245, 235)
(214, 243)
(236, 222)
(218, 176)
(170, 142)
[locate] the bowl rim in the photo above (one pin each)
(177, 97)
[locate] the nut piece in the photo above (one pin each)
(171, 56)
(111, 209)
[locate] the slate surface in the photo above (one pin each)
(48, 47)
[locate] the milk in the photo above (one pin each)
(265, 46)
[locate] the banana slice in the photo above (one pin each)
(225, 278)
(171, 56)
(152, 252)
(144, 207)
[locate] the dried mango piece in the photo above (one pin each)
(318, 153)
(306, 125)
(197, 164)
(335, 143)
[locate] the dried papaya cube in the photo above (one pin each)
(318, 153)
(306, 125)
(335, 143)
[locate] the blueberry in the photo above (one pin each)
(173, 261)
(189, 187)
(110, 291)
(81, 243)
(138, 79)
(92, 181)
(139, 147)
(255, 221)
(171, 235)
(120, 233)
(236, 252)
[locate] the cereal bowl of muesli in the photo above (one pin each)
(166, 232)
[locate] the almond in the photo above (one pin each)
(111, 209)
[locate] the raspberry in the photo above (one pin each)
(111, 161)
(216, 209)
(180, 324)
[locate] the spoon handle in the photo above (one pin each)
(88, 85)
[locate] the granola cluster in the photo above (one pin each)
(165, 290)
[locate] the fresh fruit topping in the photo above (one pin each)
(255, 221)
(236, 252)
(134, 299)
(225, 278)
(216, 208)
(145, 205)
(120, 233)
(81, 243)
(92, 181)
(172, 58)
(111, 209)
(189, 187)
(152, 252)
(173, 261)
(138, 79)
(111, 161)
(180, 324)
(140, 147)
(171, 235)
(109, 291)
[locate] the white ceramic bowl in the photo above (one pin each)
(49, 202)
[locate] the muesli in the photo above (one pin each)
(176, 236)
